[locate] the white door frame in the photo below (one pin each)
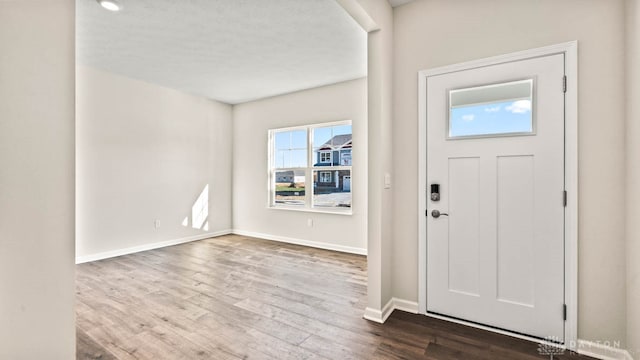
(570, 51)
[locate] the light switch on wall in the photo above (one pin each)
(387, 181)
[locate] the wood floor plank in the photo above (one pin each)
(236, 297)
(87, 348)
(330, 349)
(259, 321)
(441, 352)
(393, 351)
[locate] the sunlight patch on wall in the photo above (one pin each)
(200, 210)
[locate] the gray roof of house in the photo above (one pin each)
(337, 141)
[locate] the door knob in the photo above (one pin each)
(436, 214)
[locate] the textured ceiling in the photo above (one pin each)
(229, 50)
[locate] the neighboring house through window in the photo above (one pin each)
(310, 167)
(345, 158)
(325, 176)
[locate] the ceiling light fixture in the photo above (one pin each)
(111, 5)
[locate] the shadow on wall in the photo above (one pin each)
(199, 212)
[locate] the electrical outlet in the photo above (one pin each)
(156, 223)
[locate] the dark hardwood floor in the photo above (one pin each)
(234, 297)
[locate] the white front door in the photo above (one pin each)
(346, 183)
(495, 149)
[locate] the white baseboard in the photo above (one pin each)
(602, 351)
(373, 315)
(145, 247)
(315, 244)
(405, 305)
(380, 316)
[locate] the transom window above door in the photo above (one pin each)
(504, 109)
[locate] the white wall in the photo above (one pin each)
(432, 33)
(37, 179)
(251, 122)
(633, 176)
(145, 152)
(376, 17)
(380, 107)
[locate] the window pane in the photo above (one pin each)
(286, 140)
(290, 149)
(299, 139)
(283, 140)
(298, 158)
(332, 146)
(290, 187)
(282, 159)
(499, 109)
(332, 189)
(321, 135)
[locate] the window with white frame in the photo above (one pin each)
(302, 173)
(325, 176)
(325, 157)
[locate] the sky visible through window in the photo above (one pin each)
(291, 149)
(291, 146)
(324, 134)
(494, 118)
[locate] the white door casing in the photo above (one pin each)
(501, 267)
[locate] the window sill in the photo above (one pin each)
(310, 210)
